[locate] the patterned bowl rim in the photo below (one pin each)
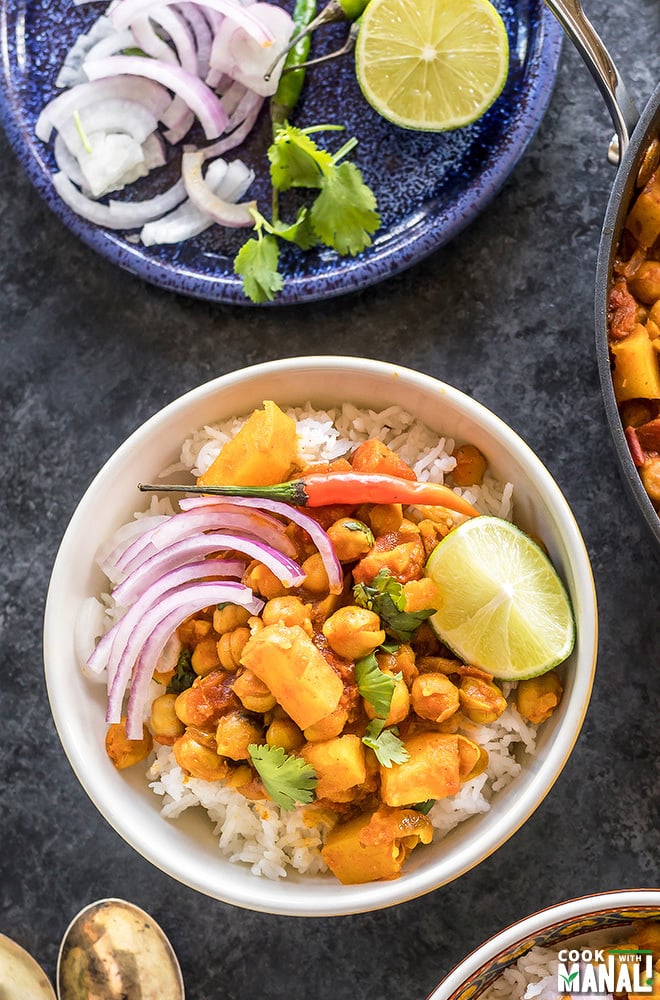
(496, 948)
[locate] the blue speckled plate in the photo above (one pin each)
(428, 186)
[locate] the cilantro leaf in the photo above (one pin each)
(374, 685)
(385, 743)
(296, 160)
(299, 232)
(183, 675)
(344, 213)
(385, 596)
(287, 779)
(257, 263)
(424, 807)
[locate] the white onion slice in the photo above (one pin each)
(118, 214)
(71, 72)
(187, 220)
(191, 89)
(237, 53)
(318, 534)
(125, 12)
(224, 212)
(148, 93)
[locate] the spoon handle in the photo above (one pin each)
(591, 47)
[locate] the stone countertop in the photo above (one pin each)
(503, 313)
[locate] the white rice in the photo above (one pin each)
(259, 834)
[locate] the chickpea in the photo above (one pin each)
(654, 313)
(124, 752)
(401, 661)
(253, 693)
(263, 581)
(227, 617)
(327, 728)
(481, 701)
(284, 733)
(204, 657)
(650, 475)
(434, 697)
(197, 760)
(470, 465)
(473, 759)
(234, 733)
(287, 610)
(385, 517)
(316, 578)
(399, 705)
(437, 664)
(538, 697)
(351, 538)
(230, 647)
(165, 723)
(353, 632)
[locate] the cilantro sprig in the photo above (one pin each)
(385, 743)
(385, 596)
(288, 780)
(342, 214)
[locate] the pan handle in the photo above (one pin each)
(591, 47)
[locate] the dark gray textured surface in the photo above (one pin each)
(504, 313)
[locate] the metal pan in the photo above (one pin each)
(634, 132)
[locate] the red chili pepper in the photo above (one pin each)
(322, 489)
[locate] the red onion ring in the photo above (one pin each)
(124, 13)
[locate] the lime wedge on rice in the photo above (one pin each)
(502, 606)
(431, 64)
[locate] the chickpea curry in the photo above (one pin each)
(634, 326)
(336, 696)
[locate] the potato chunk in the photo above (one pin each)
(262, 453)
(295, 672)
(339, 764)
(431, 772)
(375, 846)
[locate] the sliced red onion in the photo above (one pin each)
(125, 12)
(111, 647)
(180, 35)
(185, 526)
(318, 535)
(110, 551)
(182, 554)
(118, 215)
(237, 53)
(178, 554)
(152, 149)
(191, 89)
(112, 44)
(202, 34)
(239, 134)
(225, 213)
(174, 607)
(148, 93)
(181, 129)
(232, 97)
(148, 39)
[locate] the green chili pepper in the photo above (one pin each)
(286, 96)
(335, 10)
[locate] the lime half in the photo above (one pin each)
(502, 606)
(431, 64)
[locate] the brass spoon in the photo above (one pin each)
(21, 978)
(113, 950)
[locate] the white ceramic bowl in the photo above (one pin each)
(575, 921)
(185, 849)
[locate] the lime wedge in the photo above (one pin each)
(502, 606)
(431, 64)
